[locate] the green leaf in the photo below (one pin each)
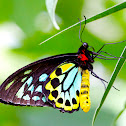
(113, 77)
(51, 7)
(96, 17)
(114, 124)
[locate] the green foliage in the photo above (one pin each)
(96, 17)
(51, 7)
(118, 67)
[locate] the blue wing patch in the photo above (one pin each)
(69, 79)
(43, 77)
(30, 92)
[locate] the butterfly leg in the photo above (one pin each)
(109, 54)
(105, 57)
(109, 44)
(102, 80)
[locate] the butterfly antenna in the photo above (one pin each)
(80, 33)
(83, 27)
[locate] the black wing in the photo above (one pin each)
(24, 87)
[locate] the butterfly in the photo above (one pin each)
(60, 81)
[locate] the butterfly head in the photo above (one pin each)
(85, 45)
(83, 48)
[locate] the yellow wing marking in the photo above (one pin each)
(68, 108)
(53, 75)
(27, 72)
(66, 67)
(84, 92)
(9, 85)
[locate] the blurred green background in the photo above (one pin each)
(26, 23)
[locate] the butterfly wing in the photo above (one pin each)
(24, 87)
(63, 87)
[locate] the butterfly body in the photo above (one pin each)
(84, 92)
(60, 81)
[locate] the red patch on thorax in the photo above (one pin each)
(82, 56)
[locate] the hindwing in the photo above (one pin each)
(63, 88)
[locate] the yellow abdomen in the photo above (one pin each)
(84, 92)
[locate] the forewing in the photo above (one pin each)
(24, 87)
